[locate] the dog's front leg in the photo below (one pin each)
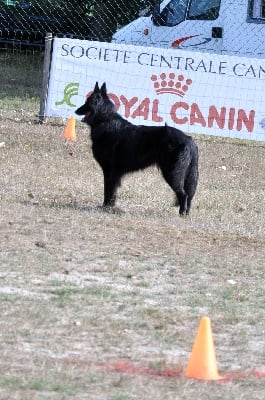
(111, 184)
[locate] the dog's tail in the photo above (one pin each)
(179, 141)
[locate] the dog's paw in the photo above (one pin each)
(183, 213)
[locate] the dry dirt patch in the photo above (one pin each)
(81, 288)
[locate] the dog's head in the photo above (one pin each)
(94, 103)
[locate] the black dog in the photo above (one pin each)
(121, 147)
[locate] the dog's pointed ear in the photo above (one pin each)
(96, 88)
(103, 89)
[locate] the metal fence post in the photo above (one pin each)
(46, 75)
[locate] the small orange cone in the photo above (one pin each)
(69, 132)
(202, 363)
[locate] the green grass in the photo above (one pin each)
(21, 82)
(43, 384)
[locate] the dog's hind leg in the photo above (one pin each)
(111, 184)
(175, 179)
(182, 201)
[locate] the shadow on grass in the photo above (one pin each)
(74, 205)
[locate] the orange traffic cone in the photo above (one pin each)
(69, 132)
(202, 363)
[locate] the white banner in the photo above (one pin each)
(197, 92)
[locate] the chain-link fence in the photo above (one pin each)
(23, 24)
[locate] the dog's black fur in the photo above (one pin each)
(121, 147)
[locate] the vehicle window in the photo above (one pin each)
(257, 9)
(174, 12)
(204, 9)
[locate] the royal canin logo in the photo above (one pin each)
(171, 84)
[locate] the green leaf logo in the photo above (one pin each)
(70, 90)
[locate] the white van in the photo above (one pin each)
(215, 26)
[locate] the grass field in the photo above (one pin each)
(106, 306)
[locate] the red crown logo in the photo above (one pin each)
(172, 84)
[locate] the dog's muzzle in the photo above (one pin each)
(85, 117)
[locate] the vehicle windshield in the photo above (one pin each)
(177, 11)
(204, 9)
